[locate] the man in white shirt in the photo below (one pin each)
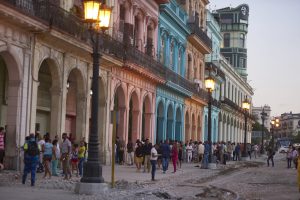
(189, 150)
(65, 155)
(153, 160)
(200, 151)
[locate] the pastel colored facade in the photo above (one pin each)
(231, 88)
(171, 53)
(198, 45)
(212, 69)
(151, 81)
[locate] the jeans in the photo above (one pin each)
(165, 163)
(289, 162)
(153, 164)
(80, 165)
(54, 164)
(205, 161)
(147, 163)
(270, 158)
(30, 167)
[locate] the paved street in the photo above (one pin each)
(237, 180)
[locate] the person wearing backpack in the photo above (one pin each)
(31, 159)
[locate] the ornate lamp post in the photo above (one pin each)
(263, 117)
(97, 15)
(274, 124)
(246, 108)
(210, 86)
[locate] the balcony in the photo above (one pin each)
(56, 18)
(200, 37)
(215, 69)
(236, 107)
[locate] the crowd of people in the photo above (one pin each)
(145, 155)
(43, 155)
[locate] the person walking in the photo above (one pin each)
(47, 149)
(270, 154)
(289, 156)
(153, 161)
(55, 158)
(65, 156)
(130, 153)
(165, 155)
(255, 149)
(147, 152)
(200, 152)
(249, 149)
(31, 159)
(295, 157)
(189, 150)
(139, 156)
(174, 154)
(81, 157)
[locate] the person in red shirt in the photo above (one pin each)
(174, 153)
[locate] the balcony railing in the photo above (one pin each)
(47, 12)
(236, 107)
(201, 34)
(216, 69)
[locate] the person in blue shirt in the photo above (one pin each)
(31, 158)
(165, 155)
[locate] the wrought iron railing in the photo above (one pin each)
(237, 107)
(47, 12)
(201, 34)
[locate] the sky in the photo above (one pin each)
(273, 44)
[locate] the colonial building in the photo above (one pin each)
(289, 125)
(234, 87)
(46, 70)
(234, 28)
(257, 114)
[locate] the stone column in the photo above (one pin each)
(148, 125)
(135, 125)
(55, 119)
(220, 138)
(12, 123)
(121, 132)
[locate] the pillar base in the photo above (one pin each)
(91, 188)
(11, 162)
(245, 159)
(212, 166)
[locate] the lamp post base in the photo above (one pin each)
(246, 158)
(212, 166)
(92, 172)
(91, 188)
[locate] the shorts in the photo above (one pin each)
(47, 157)
(139, 159)
(74, 160)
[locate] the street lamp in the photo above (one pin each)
(210, 86)
(274, 124)
(246, 108)
(263, 117)
(97, 16)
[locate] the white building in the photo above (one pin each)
(257, 113)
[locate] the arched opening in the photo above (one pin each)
(178, 125)
(120, 113)
(75, 105)
(160, 122)
(187, 127)
(3, 92)
(9, 107)
(48, 99)
(134, 113)
(199, 135)
(170, 122)
(146, 118)
(150, 37)
(194, 133)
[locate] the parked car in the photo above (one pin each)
(296, 145)
(283, 149)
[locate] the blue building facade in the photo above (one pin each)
(171, 53)
(212, 66)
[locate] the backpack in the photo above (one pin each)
(33, 149)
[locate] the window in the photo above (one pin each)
(242, 40)
(227, 40)
(162, 50)
(179, 62)
(171, 54)
(242, 63)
